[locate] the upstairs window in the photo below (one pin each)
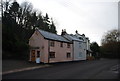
(80, 45)
(68, 45)
(61, 44)
(52, 43)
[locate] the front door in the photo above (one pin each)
(33, 55)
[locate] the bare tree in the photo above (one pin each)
(25, 12)
(110, 36)
(111, 44)
(5, 5)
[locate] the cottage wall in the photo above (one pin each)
(79, 51)
(46, 50)
(83, 48)
(37, 40)
(61, 52)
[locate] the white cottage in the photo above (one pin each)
(86, 44)
(79, 52)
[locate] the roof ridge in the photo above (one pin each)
(49, 32)
(52, 36)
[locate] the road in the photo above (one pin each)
(96, 69)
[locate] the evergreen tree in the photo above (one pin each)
(95, 49)
(40, 22)
(18, 24)
(53, 28)
(46, 23)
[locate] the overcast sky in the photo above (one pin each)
(91, 17)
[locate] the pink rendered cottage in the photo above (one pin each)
(49, 47)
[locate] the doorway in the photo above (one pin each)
(33, 55)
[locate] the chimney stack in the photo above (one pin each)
(76, 32)
(63, 32)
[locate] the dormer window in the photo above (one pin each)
(81, 38)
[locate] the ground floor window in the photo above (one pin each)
(68, 55)
(80, 54)
(52, 54)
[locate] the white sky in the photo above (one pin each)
(91, 17)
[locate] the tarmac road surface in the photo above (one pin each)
(96, 69)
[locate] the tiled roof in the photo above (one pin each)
(52, 36)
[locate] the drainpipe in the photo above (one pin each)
(30, 56)
(73, 49)
(48, 51)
